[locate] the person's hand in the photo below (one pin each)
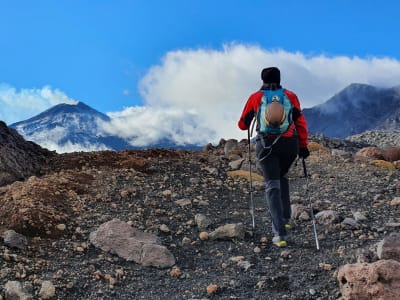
(304, 153)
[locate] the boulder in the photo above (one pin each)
(120, 238)
(378, 280)
(389, 247)
(369, 153)
(14, 290)
(19, 159)
(15, 240)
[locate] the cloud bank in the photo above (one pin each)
(143, 126)
(18, 105)
(215, 84)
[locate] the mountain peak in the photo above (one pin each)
(355, 109)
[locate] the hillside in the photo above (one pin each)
(163, 192)
(354, 110)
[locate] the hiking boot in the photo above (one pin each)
(279, 241)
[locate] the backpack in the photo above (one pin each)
(275, 112)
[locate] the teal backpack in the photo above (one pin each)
(275, 112)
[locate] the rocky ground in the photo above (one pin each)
(161, 191)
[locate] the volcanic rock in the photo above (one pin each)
(379, 280)
(19, 159)
(131, 244)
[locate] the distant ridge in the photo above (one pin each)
(355, 109)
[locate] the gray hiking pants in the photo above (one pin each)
(275, 163)
(278, 200)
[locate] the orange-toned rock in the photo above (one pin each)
(175, 272)
(379, 280)
(203, 235)
(246, 175)
(212, 289)
(369, 153)
(383, 164)
(314, 146)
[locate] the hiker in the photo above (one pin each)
(281, 137)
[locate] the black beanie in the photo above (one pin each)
(271, 75)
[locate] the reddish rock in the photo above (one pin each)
(378, 280)
(369, 153)
(392, 154)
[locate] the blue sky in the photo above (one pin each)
(119, 56)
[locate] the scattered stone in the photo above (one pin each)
(324, 266)
(183, 202)
(285, 254)
(326, 217)
(351, 223)
(298, 211)
(389, 247)
(260, 284)
(236, 258)
(229, 231)
(203, 235)
(14, 290)
(202, 221)
(212, 289)
(359, 217)
(61, 227)
(395, 201)
(164, 228)
(175, 272)
(236, 164)
(15, 240)
(48, 290)
(230, 146)
(167, 193)
(244, 264)
(186, 241)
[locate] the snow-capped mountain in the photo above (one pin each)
(357, 108)
(78, 127)
(70, 127)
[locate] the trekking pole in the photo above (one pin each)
(309, 201)
(251, 183)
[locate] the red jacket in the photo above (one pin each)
(300, 125)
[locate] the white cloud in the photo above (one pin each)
(143, 126)
(18, 105)
(216, 83)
